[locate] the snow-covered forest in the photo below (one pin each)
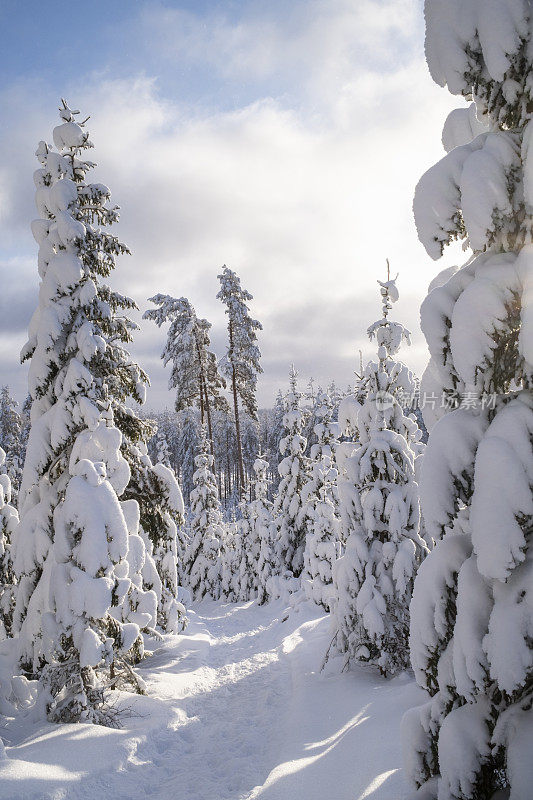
(325, 595)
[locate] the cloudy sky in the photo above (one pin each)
(281, 138)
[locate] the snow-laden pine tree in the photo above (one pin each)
(250, 446)
(472, 610)
(348, 505)
(163, 445)
(140, 603)
(11, 440)
(275, 437)
(310, 402)
(70, 548)
(162, 450)
(10, 422)
(161, 519)
(194, 371)
(242, 358)
(8, 522)
(250, 549)
(169, 551)
(230, 559)
(25, 428)
(289, 502)
(348, 412)
(207, 530)
(264, 530)
(375, 575)
(188, 444)
(322, 545)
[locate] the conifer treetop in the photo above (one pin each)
(188, 350)
(261, 477)
(389, 335)
(72, 532)
(243, 355)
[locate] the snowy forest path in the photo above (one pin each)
(236, 709)
(339, 736)
(231, 708)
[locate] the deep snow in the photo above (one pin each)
(237, 709)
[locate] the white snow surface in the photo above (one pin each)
(493, 28)
(237, 709)
(461, 126)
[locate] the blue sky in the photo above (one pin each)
(282, 139)
(120, 37)
(45, 41)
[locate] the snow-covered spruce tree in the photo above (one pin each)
(8, 522)
(169, 551)
(161, 516)
(327, 433)
(168, 423)
(289, 503)
(250, 446)
(156, 491)
(375, 575)
(70, 548)
(250, 549)
(337, 394)
(188, 445)
(207, 532)
(230, 559)
(348, 502)
(242, 359)
(140, 603)
(162, 450)
(275, 437)
(310, 403)
(264, 530)
(11, 440)
(10, 422)
(163, 444)
(347, 413)
(194, 372)
(472, 610)
(25, 427)
(322, 545)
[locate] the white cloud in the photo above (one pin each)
(311, 48)
(303, 196)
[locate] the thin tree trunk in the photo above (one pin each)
(238, 433)
(208, 410)
(225, 489)
(228, 469)
(201, 399)
(204, 398)
(237, 422)
(205, 403)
